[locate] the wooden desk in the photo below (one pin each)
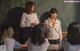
(21, 49)
(64, 34)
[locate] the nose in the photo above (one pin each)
(54, 15)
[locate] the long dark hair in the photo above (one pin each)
(38, 36)
(28, 7)
(73, 36)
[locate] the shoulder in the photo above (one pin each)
(58, 21)
(34, 13)
(65, 44)
(28, 41)
(24, 13)
(47, 19)
(9, 39)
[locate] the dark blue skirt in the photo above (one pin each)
(57, 41)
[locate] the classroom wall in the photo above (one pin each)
(11, 10)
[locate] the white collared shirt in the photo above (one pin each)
(27, 19)
(33, 47)
(53, 32)
(11, 44)
(68, 47)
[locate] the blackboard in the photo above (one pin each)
(68, 12)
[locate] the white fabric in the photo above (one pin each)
(27, 19)
(32, 47)
(68, 47)
(10, 44)
(54, 32)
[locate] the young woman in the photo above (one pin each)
(8, 39)
(53, 28)
(28, 21)
(72, 42)
(38, 42)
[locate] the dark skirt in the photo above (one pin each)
(25, 34)
(57, 41)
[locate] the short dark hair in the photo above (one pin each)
(38, 36)
(73, 36)
(28, 6)
(53, 10)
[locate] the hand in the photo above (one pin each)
(23, 46)
(33, 24)
(52, 22)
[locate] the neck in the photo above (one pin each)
(53, 19)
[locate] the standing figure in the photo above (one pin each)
(53, 29)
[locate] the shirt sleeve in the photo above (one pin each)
(60, 31)
(24, 21)
(37, 20)
(17, 44)
(46, 26)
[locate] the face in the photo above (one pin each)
(53, 15)
(11, 32)
(33, 8)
